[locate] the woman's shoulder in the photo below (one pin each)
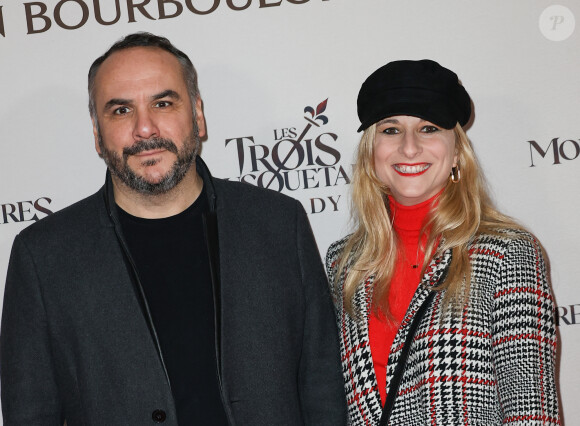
(337, 247)
(334, 253)
(505, 236)
(502, 242)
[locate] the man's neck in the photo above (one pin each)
(158, 206)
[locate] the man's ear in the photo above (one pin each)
(199, 118)
(96, 136)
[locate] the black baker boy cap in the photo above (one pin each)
(422, 89)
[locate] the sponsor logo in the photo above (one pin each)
(25, 211)
(556, 151)
(296, 160)
(568, 315)
(73, 14)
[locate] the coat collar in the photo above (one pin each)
(434, 274)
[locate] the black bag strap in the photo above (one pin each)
(396, 381)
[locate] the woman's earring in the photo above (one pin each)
(455, 174)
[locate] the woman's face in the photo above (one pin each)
(413, 157)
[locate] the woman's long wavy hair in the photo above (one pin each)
(463, 210)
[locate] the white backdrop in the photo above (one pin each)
(260, 66)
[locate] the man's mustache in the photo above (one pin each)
(149, 144)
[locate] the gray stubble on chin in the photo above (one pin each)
(120, 167)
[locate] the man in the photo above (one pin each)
(168, 296)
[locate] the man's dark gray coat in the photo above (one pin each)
(78, 344)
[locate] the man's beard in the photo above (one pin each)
(121, 169)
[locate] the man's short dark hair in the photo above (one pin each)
(144, 39)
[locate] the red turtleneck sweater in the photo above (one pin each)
(407, 223)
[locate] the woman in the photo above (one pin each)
(443, 305)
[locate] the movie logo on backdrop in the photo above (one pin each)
(73, 14)
(25, 211)
(297, 159)
(568, 315)
(556, 151)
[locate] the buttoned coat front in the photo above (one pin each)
(78, 343)
(492, 363)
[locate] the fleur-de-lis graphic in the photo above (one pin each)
(317, 115)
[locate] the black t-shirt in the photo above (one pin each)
(173, 266)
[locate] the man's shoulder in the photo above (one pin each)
(77, 218)
(251, 196)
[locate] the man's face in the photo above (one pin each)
(145, 128)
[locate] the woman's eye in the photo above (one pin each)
(429, 129)
(391, 131)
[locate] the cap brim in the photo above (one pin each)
(431, 110)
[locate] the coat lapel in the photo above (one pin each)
(362, 392)
(434, 274)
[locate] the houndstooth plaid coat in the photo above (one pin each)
(493, 364)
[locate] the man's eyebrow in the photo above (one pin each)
(166, 94)
(116, 101)
(120, 101)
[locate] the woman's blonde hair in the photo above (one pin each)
(463, 210)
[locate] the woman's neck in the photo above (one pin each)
(410, 218)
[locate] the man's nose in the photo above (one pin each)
(145, 125)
